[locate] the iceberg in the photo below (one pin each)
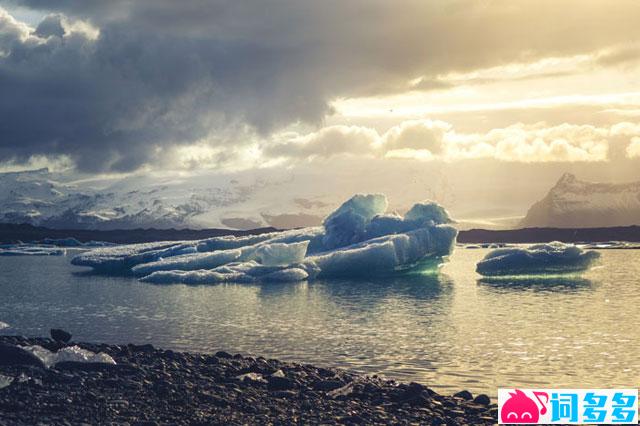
(248, 272)
(30, 250)
(357, 239)
(188, 262)
(120, 259)
(550, 258)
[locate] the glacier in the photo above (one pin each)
(357, 239)
(550, 258)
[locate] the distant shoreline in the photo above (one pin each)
(11, 233)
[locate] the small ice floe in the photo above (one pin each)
(611, 245)
(30, 250)
(70, 353)
(3, 325)
(73, 243)
(357, 239)
(551, 258)
(62, 242)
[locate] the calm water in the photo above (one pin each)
(450, 330)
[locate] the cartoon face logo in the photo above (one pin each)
(519, 408)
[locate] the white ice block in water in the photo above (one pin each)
(273, 254)
(3, 325)
(386, 254)
(70, 353)
(357, 239)
(189, 262)
(30, 250)
(120, 259)
(550, 258)
(249, 272)
(347, 225)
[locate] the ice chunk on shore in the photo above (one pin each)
(5, 381)
(70, 353)
(358, 239)
(551, 258)
(30, 250)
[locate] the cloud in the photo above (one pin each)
(110, 83)
(620, 55)
(325, 143)
(430, 140)
(50, 26)
(417, 135)
(633, 149)
(417, 138)
(534, 143)
(62, 163)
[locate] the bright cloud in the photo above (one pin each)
(429, 140)
(633, 149)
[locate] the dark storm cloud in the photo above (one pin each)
(163, 73)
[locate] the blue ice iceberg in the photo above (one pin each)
(357, 239)
(550, 258)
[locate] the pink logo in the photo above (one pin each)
(519, 408)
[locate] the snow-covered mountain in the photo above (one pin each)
(573, 203)
(55, 200)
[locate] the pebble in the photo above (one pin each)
(149, 386)
(60, 335)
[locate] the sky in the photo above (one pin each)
(481, 105)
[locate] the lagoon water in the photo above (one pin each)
(449, 330)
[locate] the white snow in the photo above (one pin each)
(3, 325)
(573, 203)
(70, 353)
(551, 258)
(357, 239)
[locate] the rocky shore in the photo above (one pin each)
(149, 386)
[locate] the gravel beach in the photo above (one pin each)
(149, 386)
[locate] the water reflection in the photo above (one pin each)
(540, 283)
(451, 330)
(413, 286)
